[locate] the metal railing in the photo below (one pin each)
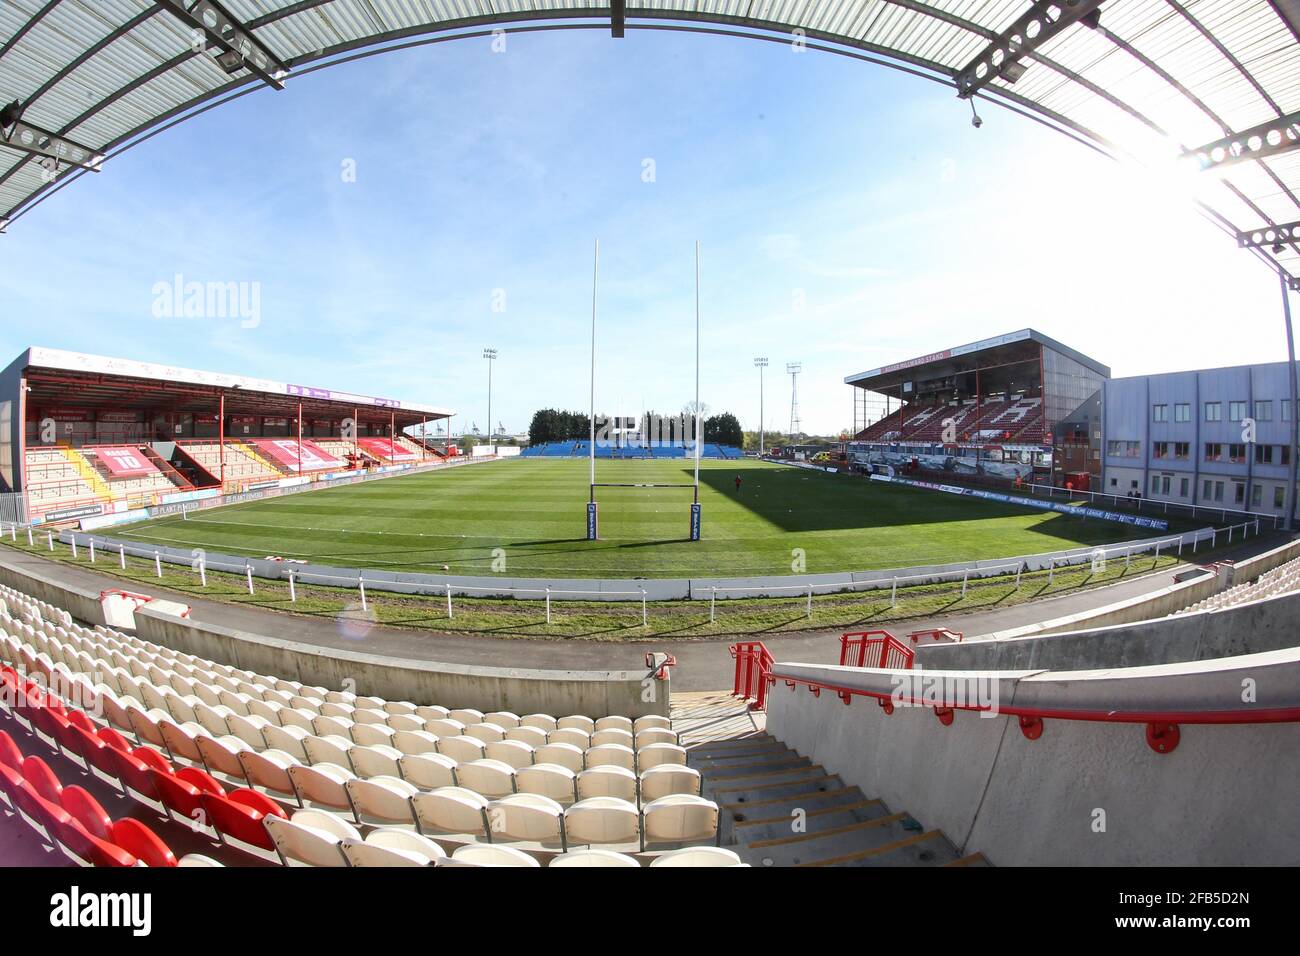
(877, 648)
(753, 672)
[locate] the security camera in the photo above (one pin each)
(976, 121)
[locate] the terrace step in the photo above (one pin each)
(765, 824)
(772, 790)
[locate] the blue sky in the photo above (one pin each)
(850, 216)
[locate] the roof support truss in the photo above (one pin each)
(51, 147)
(1270, 237)
(1036, 26)
(232, 43)
(1259, 142)
(618, 18)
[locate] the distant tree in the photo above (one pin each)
(724, 429)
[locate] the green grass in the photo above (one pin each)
(533, 511)
(597, 621)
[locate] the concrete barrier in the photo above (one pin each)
(1251, 568)
(557, 692)
(1087, 792)
(1264, 625)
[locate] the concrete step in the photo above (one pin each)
(763, 825)
(711, 762)
(797, 849)
(928, 848)
(723, 786)
(799, 786)
(778, 810)
(755, 764)
(974, 859)
(734, 745)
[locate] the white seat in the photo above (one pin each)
(548, 779)
(668, 778)
(649, 721)
(182, 740)
(323, 726)
(466, 715)
(398, 708)
(461, 749)
(287, 739)
(533, 736)
(612, 735)
(526, 816)
(611, 755)
(484, 854)
(543, 722)
(614, 723)
(268, 769)
(607, 781)
(502, 718)
(248, 729)
(566, 755)
(404, 722)
(653, 755)
(585, 724)
(382, 798)
(369, 715)
(221, 755)
(655, 735)
(415, 742)
(324, 783)
(198, 859)
(513, 752)
(605, 858)
(386, 846)
(428, 771)
(602, 820)
(444, 727)
(698, 856)
(488, 733)
(574, 736)
(451, 810)
(492, 778)
(311, 837)
(375, 761)
(428, 712)
(332, 749)
(680, 818)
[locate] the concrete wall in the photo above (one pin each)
(1086, 792)
(1251, 568)
(594, 693)
(1264, 625)
(556, 692)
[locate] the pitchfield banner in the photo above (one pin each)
(383, 448)
(125, 462)
(285, 451)
(1106, 515)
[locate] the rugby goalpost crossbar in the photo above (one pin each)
(593, 523)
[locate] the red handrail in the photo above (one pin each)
(753, 668)
(874, 649)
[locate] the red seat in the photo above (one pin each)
(178, 794)
(42, 780)
(134, 772)
(10, 780)
(79, 719)
(239, 816)
(10, 755)
(85, 809)
(95, 752)
(113, 739)
(142, 843)
(85, 845)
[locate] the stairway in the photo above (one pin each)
(88, 472)
(778, 808)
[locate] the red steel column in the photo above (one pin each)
(300, 438)
(221, 440)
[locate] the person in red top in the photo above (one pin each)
(738, 484)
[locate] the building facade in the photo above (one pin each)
(1219, 438)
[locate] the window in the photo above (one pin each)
(1263, 411)
(1123, 449)
(1160, 413)
(1155, 484)
(1182, 449)
(1238, 493)
(1182, 412)
(1213, 412)
(1237, 453)
(1286, 454)
(1256, 496)
(1218, 491)
(1213, 451)
(1263, 455)
(1207, 490)
(1160, 449)
(1236, 411)
(1182, 488)
(1114, 482)
(1279, 496)
(1286, 409)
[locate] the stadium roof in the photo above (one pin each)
(124, 382)
(954, 359)
(1211, 81)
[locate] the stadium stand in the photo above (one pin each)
(580, 449)
(320, 777)
(1283, 579)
